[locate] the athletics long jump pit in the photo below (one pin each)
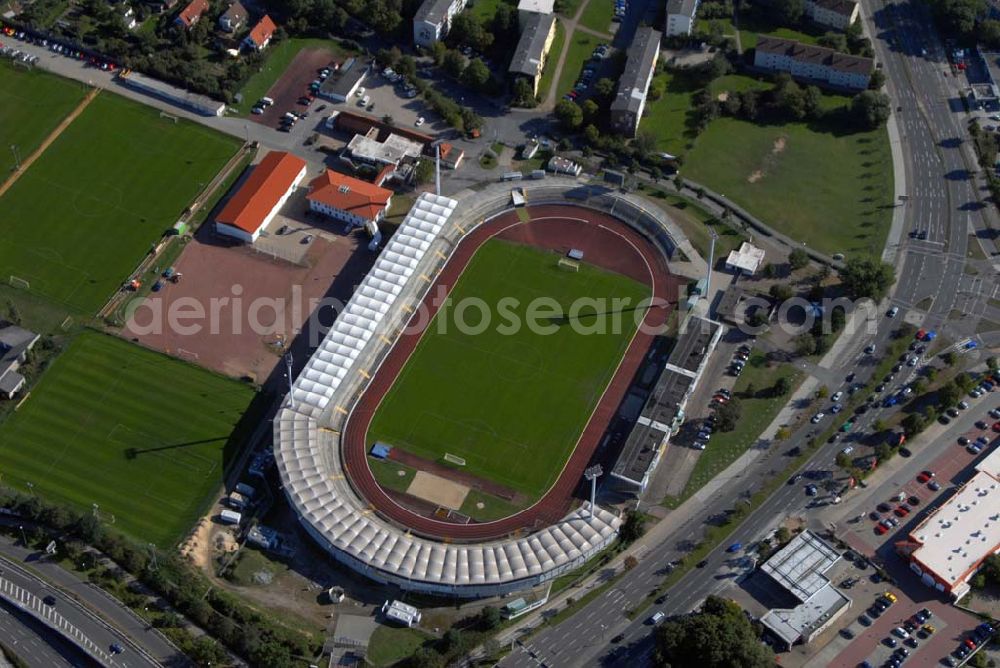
(509, 373)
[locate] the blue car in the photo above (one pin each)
(735, 547)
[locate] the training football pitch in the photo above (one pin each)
(32, 103)
(512, 403)
(136, 432)
(82, 216)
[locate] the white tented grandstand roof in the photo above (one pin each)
(367, 307)
(310, 466)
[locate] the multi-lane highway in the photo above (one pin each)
(932, 285)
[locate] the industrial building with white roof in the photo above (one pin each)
(307, 446)
(950, 545)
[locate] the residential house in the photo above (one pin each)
(433, 20)
(234, 18)
(537, 33)
(525, 8)
(836, 14)
(630, 99)
(191, 14)
(816, 64)
(15, 343)
(681, 17)
(348, 199)
(261, 34)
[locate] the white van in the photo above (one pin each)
(266, 101)
(657, 618)
(230, 517)
(364, 101)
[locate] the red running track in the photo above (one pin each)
(606, 242)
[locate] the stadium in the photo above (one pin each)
(388, 382)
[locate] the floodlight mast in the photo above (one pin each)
(592, 474)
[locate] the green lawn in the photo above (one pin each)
(552, 61)
(510, 400)
(737, 83)
(32, 102)
(668, 117)
(140, 434)
(696, 223)
(388, 474)
(753, 22)
(279, 57)
(757, 414)
(581, 46)
(82, 216)
(391, 644)
(833, 192)
(597, 15)
(485, 9)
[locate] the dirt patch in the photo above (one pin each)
(723, 96)
(251, 305)
(293, 84)
(776, 149)
(438, 490)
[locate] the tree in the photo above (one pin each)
(812, 100)
(389, 57)
(454, 63)
(729, 414)
(439, 51)
(783, 535)
(592, 135)
(424, 172)
(407, 66)
(877, 80)
(843, 460)
(570, 114)
(452, 641)
(805, 344)
(789, 97)
(590, 110)
(489, 617)
(914, 423)
(604, 87)
(867, 277)
(717, 636)
(949, 358)
(787, 12)
(523, 93)
(781, 387)
(883, 452)
(632, 528)
(645, 144)
(879, 425)
(991, 363)
(476, 75)
(630, 562)
(834, 40)
(958, 16)
(781, 291)
(871, 109)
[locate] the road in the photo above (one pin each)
(95, 629)
(932, 284)
(34, 642)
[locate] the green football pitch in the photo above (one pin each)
(32, 103)
(82, 216)
(138, 433)
(511, 403)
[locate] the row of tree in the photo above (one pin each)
(257, 638)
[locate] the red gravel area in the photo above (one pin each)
(458, 475)
(293, 84)
(606, 242)
(247, 288)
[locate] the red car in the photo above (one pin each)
(996, 427)
(902, 511)
(921, 333)
(880, 529)
(970, 643)
(927, 475)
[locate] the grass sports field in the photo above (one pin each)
(512, 404)
(31, 105)
(82, 216)
(136, 432)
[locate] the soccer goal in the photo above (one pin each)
(569, 265)
(18, 282)
(454, 459)
(67, 323)
(169, 117)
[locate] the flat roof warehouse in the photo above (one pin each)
(947, 548)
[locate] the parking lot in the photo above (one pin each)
(386, 99)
